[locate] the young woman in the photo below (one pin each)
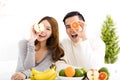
(40, 51)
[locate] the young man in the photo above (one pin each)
(79, 50)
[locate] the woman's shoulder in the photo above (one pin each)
(23, 42)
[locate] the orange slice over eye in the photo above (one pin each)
(75, 25)
(41, 27)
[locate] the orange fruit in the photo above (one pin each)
(102, 76)
(75, 25)
(69, 71)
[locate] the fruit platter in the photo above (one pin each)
(71, 73)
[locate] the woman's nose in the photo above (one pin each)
(42, 31)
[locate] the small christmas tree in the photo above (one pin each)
(109, 37)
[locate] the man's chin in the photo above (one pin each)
(75, 40)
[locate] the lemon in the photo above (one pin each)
(79, 73)
(62, 72)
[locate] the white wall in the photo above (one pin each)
(17, 16)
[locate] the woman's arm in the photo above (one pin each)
(25, 57)
(22, 45)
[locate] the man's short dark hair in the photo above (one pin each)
(73, 13)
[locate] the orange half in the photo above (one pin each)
(102, 76)
(75, 25)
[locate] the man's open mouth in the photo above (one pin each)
(74, 36)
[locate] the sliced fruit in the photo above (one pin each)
(105, 69)
(69, 71)
(92, 74)
(75, 25)
(103, 76)
(41, 27)
(62, 72)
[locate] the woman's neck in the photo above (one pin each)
(42, 45)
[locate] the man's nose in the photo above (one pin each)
(72, 30)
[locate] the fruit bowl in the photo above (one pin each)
(70, 78)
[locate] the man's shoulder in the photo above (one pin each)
(65, 40)
(96, 41)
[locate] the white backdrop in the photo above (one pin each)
(17, 17)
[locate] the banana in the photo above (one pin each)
(45, 75)
(32, 78)
(33, 71)
(53, 76)
(49, 74)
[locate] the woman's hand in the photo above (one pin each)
(33, 36)
(18, 76)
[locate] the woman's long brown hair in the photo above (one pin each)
(53, 41)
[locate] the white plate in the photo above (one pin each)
(70, 78)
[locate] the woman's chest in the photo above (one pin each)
(40, 55)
